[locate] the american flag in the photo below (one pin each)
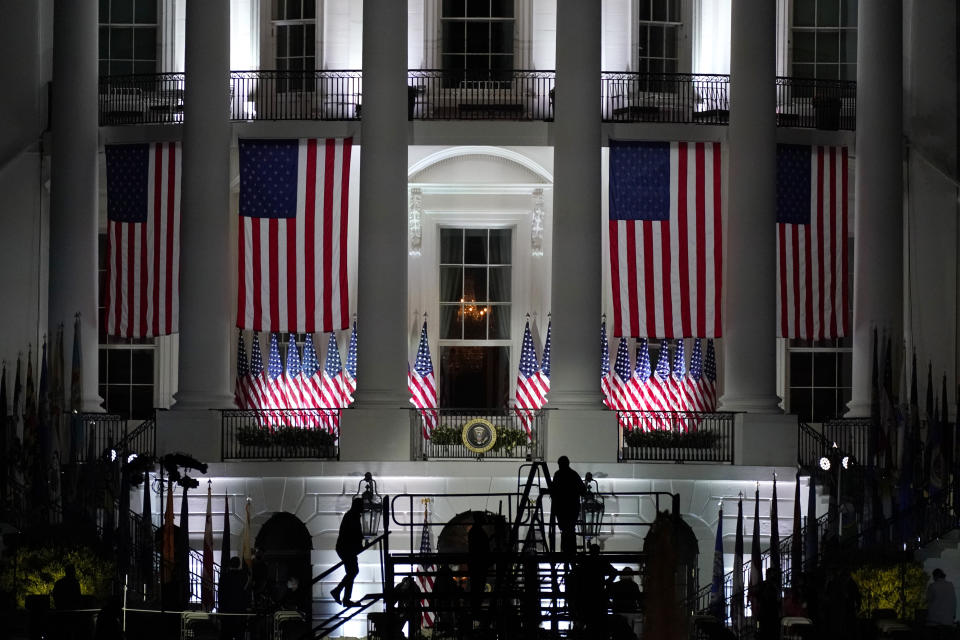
(422, 385)
(698, 401)
(650, 396)
(662, 379)
(274, 378)
(425, 577)
(811, 242)
(330, 389)
(241, 387)
(621, 396)
(665, 238)
(143, 240)
(530, 396)
(291, 377)
(545, 363)
(349, 374)
(605, 365)
(708, 383)
(679, 378)
(310, 380)
(293, 235)
(256, 381)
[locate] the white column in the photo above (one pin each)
(878, 189)
(576, 281)
(206, 315)
(749, 324)
(74, 195)
(382, 272)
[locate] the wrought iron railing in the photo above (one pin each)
(665, 97)
(92, 434)
(675, 436)
(447, 440)
(435, 94)
(142, 440)
(816, 104)
(280, 434)
(295, 95)
(149, 98)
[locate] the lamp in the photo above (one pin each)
(372, 506)
(591, 508)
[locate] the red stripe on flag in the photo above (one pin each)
(683, 259)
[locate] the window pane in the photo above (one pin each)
(642, 37)
(104, 43)
(293, 9)
(674, 6)
(142, 402)
(309, 9)
(501, 8)
(474, 377)
(474, 322)
(146, 12)
(659, 10)
(499, 321)
(804, 13)
(121, 11)
(118, 400)
(804, 46)
(804, 71)
(645, 9)
(478, 8)
(825, 370)
(828, 13)
(310, 42)
(451, 284)
(118, 366)
(145, 66)
(670, 42)
(475, 284)
(451, 246)
(499, 284)
(801, 367)
(145, 43)
(848, 72)
(142, 367)
(454, 34)
(801, 404)
(102, 367)
(848, 16)
(501, 37)
(848, 46)
(104, 12)
(828, 46)
(121, 43)
(824, 404)
(656, 42)
(844, 369)
(500, 246)
(282, 41)
(453, 8)
(450, 322)
(478, 37)
(475, 243)
(296, 40)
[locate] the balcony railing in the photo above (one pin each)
(280, 434)
(435, 94)
(816, 104)
(295, 95)
(665, 97)
(448, 439)
(150, 98)
(675, 436)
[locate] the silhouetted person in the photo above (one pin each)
(232, 598)
(478, 546)
(768, 606)
(407, 594)
(566, 488)
(446, 600)
(109, 623)
(66, 598)
(625, 592)
(349, 545)
(594, 576)
(841, 602)
(941, 605)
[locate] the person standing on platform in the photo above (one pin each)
(349, 546)
(941, 606)
(566, 489)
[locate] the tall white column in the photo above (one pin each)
(206, 315)
(749, 324)
(73, 190)
(576, 290)
(382, 273)
(878, 189)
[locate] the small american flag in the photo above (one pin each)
(425, 577)
(292, 254)
(811, 242)
(545, 363)
(621, 395)
(605, 365)
(143, 240)
(530, 396)
(257, 383)
(650, 395)
(274, 378)
(291, 378)
(678, 379)
(698, 401)
(423, 386)
(330, 389)
(310, 381)
(665, 235)
(662, 379)
(349, 374)
(708, 383)
(241, 388)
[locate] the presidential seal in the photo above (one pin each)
(479, 435)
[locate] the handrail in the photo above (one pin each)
(372, 542)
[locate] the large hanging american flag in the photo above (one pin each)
(143, 240)
(665, 238)
(811, 242)
(293, 235)
(530, 395)
(423, 385)
(425, 576)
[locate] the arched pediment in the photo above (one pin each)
(478, 166)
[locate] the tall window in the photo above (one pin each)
(126, 365)
(657, 36)
(824, 34)
(128, 37)
(477, 40)
(820, 378)
(295, 29)
(475, 301)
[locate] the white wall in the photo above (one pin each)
(711, 46)
(544, 34)
(343, 34)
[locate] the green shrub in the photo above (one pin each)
(34, 570)
(285, 437)
(881, 587)
(445, 434)
(670, 439)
